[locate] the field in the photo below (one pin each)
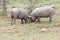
(30, 31)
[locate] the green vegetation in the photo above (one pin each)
(30, 31)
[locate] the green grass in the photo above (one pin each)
(30, 31)
(32, 36)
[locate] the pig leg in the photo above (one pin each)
(11, 20)
(14, 20)
(50, 19)
(25, 20)
(38, 19)
(21, 21)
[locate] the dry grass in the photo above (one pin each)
(29, 31)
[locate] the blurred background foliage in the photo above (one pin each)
(29, 4)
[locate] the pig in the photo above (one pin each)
(18, 13)
(42, 12)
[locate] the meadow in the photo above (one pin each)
(30, 31)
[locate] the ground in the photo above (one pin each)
(30, 31)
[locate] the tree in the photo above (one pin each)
(30, 6)
(0, 3)
(4, 2)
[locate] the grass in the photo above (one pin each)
(30, 31)
(32, 36)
